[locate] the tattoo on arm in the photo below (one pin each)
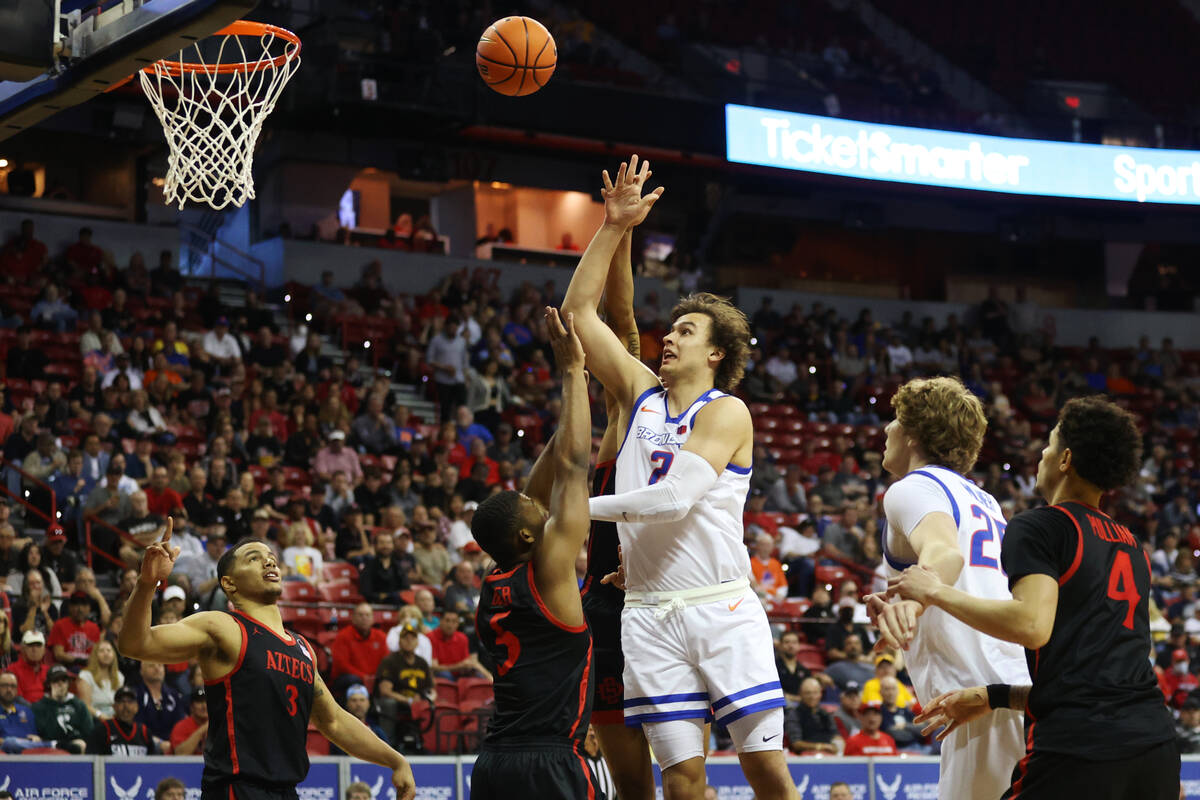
(633, 344)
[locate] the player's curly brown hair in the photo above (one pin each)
(729, 332)
(945, 418)
(1105, 444)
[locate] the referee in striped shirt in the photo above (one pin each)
(601, 777)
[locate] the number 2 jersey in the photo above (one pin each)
(1095, 694)
(544, 679)
(947, 654)
(258, 713)
(707, 546)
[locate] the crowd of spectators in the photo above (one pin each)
(157, 400)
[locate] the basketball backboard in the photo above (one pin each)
(93, 53)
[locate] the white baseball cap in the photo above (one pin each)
(174, 593)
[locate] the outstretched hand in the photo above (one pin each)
(953, 709)
(915, 583)
(624, 204)
(568, 350)
(160, 557)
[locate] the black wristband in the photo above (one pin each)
(999, 695)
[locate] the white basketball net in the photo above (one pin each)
(212, 118)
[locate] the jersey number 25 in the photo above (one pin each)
(992, 528)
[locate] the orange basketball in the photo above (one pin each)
(516, 56)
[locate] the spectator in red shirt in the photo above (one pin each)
(73, 636)
(871, 741)
(1179, 680)
(83, 256)
(357, 649)
(161, 499)
(31, 668)
(187, 737)
(452, 656)
(23, 256)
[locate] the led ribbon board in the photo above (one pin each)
(854, 149)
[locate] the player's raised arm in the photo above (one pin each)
(179, 641)
(624, 207)
(568, 524)
(345, 730)
(723, 433)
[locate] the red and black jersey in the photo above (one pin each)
(602, 545)
(258, 713)
(1095, 694)
(543, 676)
(111, 737)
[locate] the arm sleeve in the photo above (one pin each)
(1038, 542)
(908, 502)
(668, 500)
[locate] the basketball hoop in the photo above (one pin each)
(212, 102)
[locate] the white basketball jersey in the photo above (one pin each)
(704, 548)
(948, 654)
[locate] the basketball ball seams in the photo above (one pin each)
(495, 42)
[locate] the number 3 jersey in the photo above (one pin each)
(704, 548)
(1095, 694)
(258, 713)
(947, 654)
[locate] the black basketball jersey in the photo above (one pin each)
(1095, 694)
(111, 737)
(258, 713)
(544, 675)
(602, 545)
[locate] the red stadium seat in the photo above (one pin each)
(811, 657)
(300, 592)
(447, 692)
(341, 592)
(386, 617)
(831, 575)
(340, 571)
(474, 691)
(309, 621)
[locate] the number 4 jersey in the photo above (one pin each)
(947, 654)
(1095, 695)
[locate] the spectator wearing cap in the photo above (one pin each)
(336, 457)
(62, 717)
(432, 560)
(1179, 680)
(846, 714)
(358, 647)
(1187, 729)
(74, 635)
(358, 703)
(122, 735)
(871, 740)
(791, 672)
(32, 667)
(187, 737)
(810, 728)
(18, 729)
(384, 575)
(885, 667)
(220, 347)
(61, 561)
(403, 676)
(159, 705)
(897, 720)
